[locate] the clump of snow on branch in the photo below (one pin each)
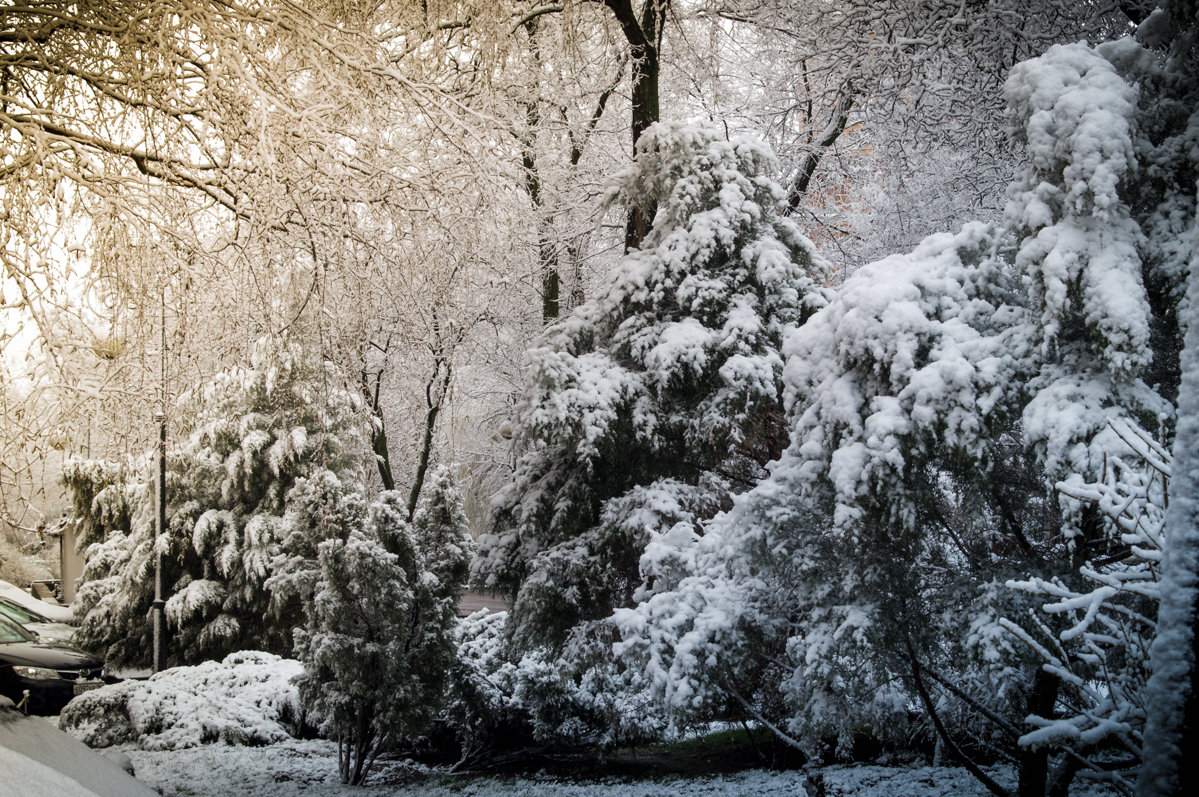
(1080, 250)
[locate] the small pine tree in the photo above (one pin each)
(377, 642)
(444, 545)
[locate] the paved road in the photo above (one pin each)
(471, 602)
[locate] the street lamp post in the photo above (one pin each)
(158, 609)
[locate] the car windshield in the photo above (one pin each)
(19, 613)
(11, 632)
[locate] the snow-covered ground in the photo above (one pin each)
(225, 728)
(310, 768)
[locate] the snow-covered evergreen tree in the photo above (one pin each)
(649, 406)
(898, 488)
(377, 642)
(1113, 611)
(482, 708)
(934, 405)
(250, 432)
(657, 400)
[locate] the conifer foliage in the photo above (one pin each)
(377, 641)
(948, 410)
(1101, 653)
(660, 398)
(251, 432)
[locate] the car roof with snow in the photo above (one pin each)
(37, 758)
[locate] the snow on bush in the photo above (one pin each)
(580, 696)
(247, 699)
(482, 703)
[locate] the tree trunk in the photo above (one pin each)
(1062, 777)
(1170, 695)
(435, 391)
(343, 758)
(549, 283)
(643, 32)
(836, 126)
(378, 429)
(547, 253)
(646, 111)
(547, 256)
(355, 767)
(382, 458)
(1033, 765)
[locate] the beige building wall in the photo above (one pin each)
(72, 563)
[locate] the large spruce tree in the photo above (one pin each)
(658, 399)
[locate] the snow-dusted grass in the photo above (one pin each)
(297, 767)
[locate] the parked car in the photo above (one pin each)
(51, 673)
(56, 612)
(37, 622)
(36, 758)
